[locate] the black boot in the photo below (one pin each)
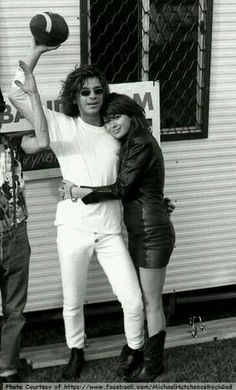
(130, 360)
(153, 359)
(76, 363)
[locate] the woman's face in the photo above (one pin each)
(117, 125)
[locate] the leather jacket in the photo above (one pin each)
(139, 184)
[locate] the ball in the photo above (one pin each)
(49, 28)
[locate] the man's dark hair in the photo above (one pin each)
(73, 85)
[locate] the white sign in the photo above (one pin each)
(146, 93)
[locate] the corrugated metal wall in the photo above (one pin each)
(15, 38)
(201, 175)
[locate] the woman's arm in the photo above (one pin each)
(133, 170)
(69, 190)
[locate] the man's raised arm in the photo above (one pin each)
(25, 97)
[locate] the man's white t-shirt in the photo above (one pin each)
(87, 155)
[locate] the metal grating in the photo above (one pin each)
(165, 40)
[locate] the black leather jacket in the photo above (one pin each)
(139, 184)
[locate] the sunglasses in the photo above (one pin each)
(87, 92)
(2, 107)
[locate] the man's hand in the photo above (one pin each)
(169, 205)
(29, 85)
(38, 47)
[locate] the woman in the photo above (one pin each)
(151, 237)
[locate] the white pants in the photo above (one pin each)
(75, 249)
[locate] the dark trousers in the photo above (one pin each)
(14, 272)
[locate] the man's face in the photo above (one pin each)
(90, 98)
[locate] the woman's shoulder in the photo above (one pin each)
(145, 138)
(148, 143)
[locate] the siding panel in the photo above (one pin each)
(201, 176)
(15, 39)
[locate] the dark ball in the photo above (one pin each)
(49, 28)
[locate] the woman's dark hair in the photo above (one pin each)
(73, 85)
(119, 104)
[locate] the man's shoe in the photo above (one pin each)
(10, 378)
(75, 365)
(130, 360)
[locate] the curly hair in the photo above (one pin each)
(120, 104)
(74, 83)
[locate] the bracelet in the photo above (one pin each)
(73, 198)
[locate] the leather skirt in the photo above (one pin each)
(153, 247)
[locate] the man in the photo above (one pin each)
(14, 255)
(84, 150)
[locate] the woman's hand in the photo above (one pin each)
(169, 206)
(65, 189)
(68, 190)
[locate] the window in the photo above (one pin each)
(164, 40)
(177, 58)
